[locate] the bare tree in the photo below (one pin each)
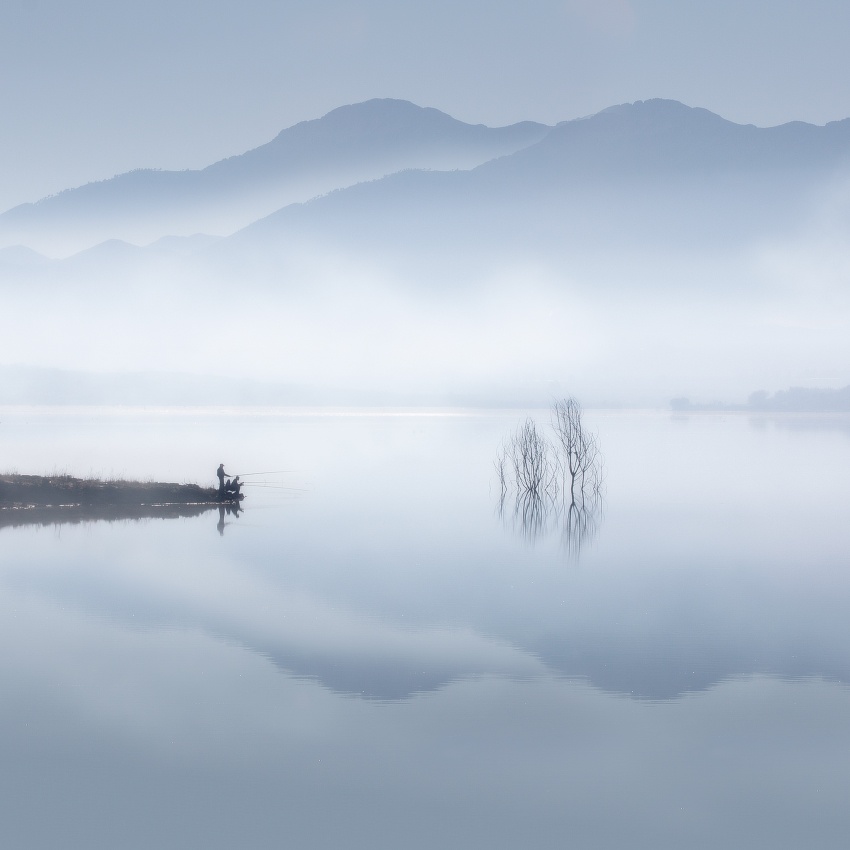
(526, 466)
(578, 453)
(501, 464)
(527, 458)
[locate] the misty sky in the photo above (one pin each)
(94, 88)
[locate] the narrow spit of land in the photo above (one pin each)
(44, 500)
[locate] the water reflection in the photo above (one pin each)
(803, 423)
(534, 517)
(49, 515)
(528, 515)
(579, 526)
(652, 634)
(231, 509)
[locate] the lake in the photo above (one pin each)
(373, 655)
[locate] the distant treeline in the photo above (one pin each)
(793, 400)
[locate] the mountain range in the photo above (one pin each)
(349, 145)
(404, 159)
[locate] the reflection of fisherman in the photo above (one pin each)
(221, 476)
(226, 510)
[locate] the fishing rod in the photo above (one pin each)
(274, 486)
(272, 472)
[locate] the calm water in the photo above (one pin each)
(371, 656)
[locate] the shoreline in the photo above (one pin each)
(30, 491)
(55, 499)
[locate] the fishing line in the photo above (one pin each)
(275, 487)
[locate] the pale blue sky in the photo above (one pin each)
(96, 87)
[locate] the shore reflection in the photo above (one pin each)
(48, 515)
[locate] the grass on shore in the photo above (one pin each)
(20, 489)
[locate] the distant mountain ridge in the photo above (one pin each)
(653, 175)
(398, 180)
(349, 145)
(656, 143)
(653, 137)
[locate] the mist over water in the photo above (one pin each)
(629, 336)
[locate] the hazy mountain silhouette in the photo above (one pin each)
(20, 256)
(348, 145)
(405, 175)
(654, 173)
(664, 138)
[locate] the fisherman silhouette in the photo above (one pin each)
(221, 476)
(233, 487)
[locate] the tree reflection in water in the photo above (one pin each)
(579, 526)
(528, 515)
(534, 517)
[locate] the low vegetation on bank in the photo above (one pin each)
(65, 490)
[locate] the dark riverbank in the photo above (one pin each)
(54, 490)
(44, 500)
